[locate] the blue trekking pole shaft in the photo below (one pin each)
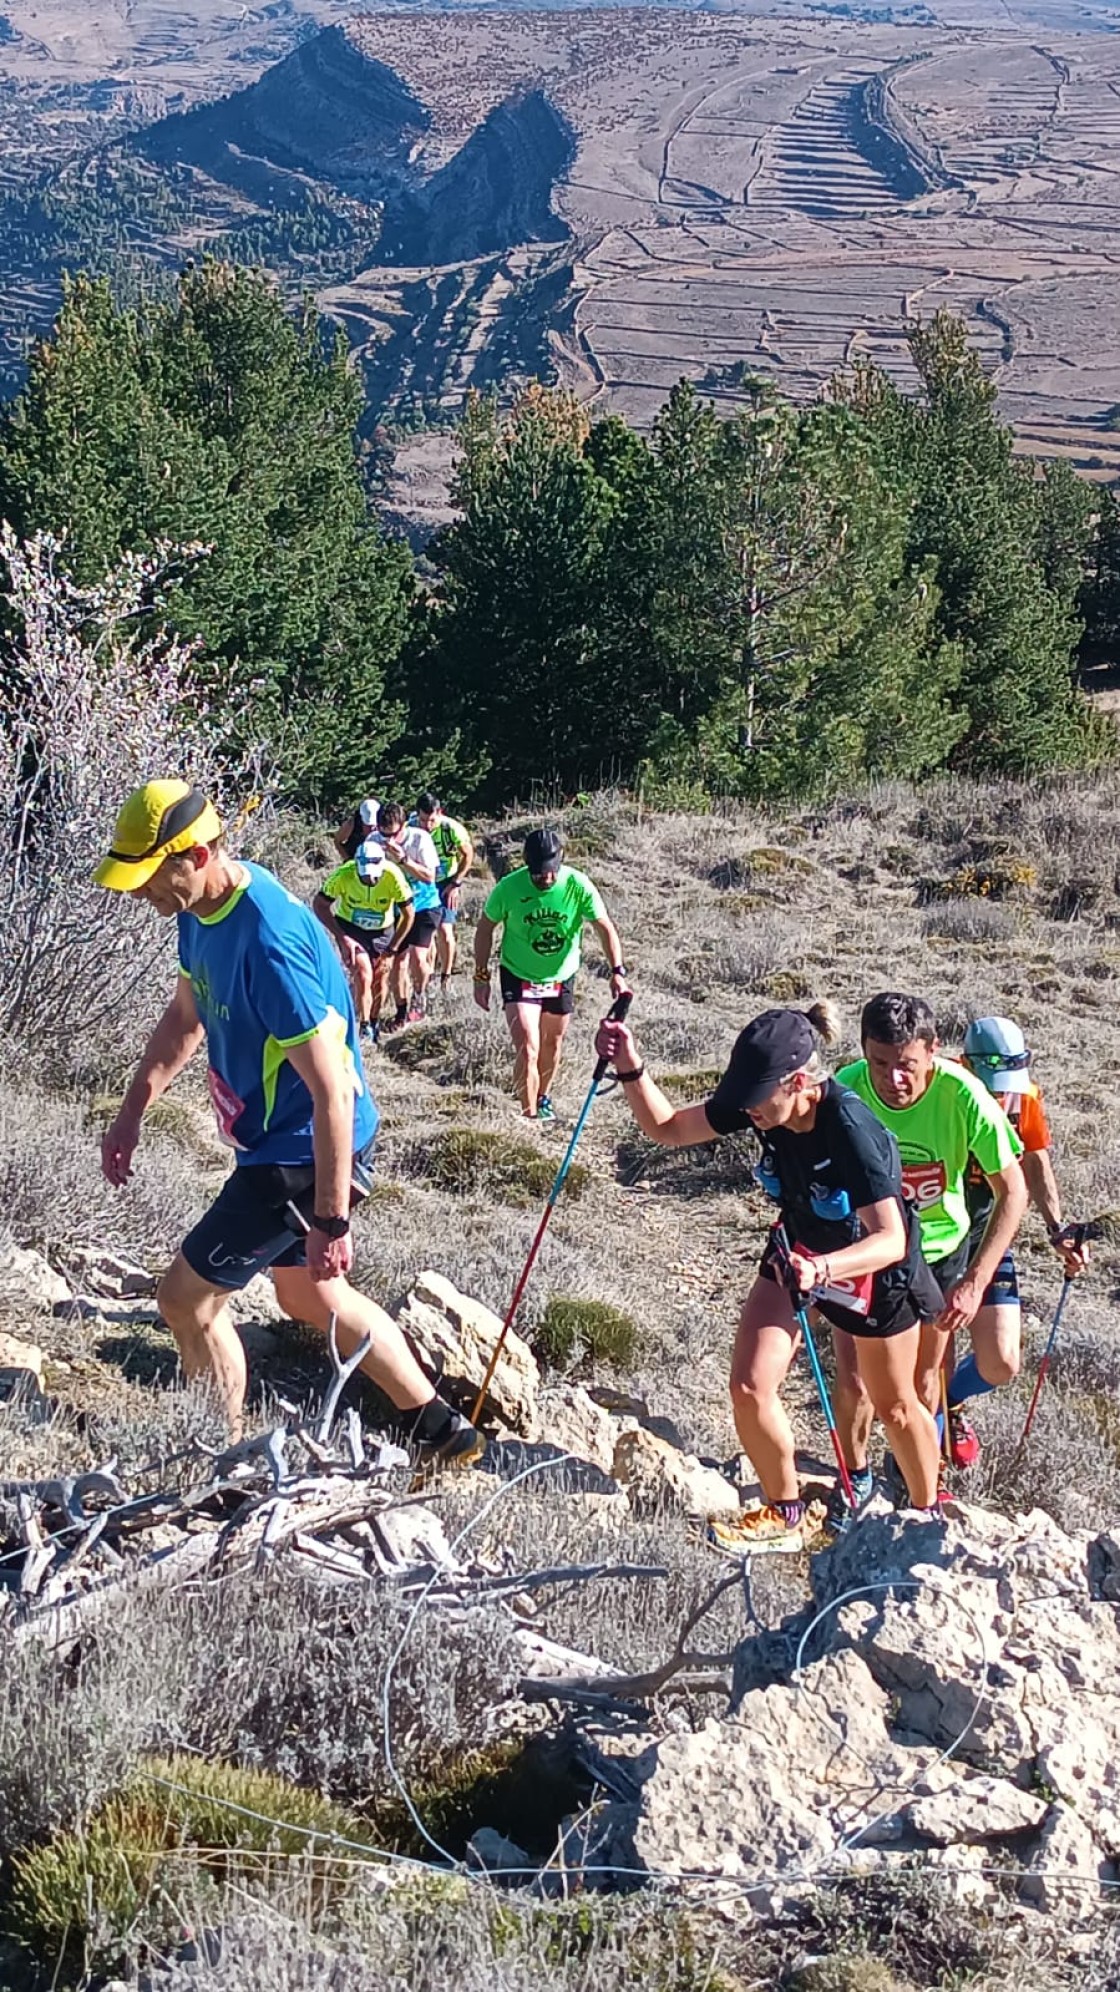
(617, 1014)
(781, 1245)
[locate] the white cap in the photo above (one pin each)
(370, 860)
(996, 1050)
(367, 812)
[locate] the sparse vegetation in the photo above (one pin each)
(585, 1332)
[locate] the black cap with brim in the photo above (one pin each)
(776, 1044)
(544, 850)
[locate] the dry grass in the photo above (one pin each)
(668, 1240)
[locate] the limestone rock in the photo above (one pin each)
(108, 1274)
(975, 1808)
(777, 1788)
(1067, 1866)
(459, 1335)
(578, 1425)
(29, 1280)
(655, 1476)
(21, 1357)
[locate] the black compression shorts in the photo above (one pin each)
(377, 942)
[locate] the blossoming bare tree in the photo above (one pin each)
(95, 697)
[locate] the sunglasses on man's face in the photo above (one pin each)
(998, 1061)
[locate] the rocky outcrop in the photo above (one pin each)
(495, 193)
(456, 1337)
(326, 111)
(953, 1694)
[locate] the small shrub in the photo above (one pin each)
(589, 1330)
(690, 1086)
(93, 1884)
(789, 986)
(766, 862)
(469, 1161)
(985, 878)
(973, 920)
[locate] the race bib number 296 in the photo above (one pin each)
(924, 1183)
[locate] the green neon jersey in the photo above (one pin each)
(541, 930)
(956, 1117)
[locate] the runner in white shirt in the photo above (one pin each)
(414, 851)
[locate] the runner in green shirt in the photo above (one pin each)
(940, 1115)
(541, 909)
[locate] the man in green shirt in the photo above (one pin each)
(940, 1115)
(541, 909)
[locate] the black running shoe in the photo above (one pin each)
(460, 1444)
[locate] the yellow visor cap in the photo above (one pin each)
(157, 821)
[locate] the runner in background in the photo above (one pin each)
(542, 908)
(366, 905)
(834, 1174)
(455, 852)
(940, 1116)
(360, 824)
(413, 850)
(996, 1051)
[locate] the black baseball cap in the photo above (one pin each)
(544, 850)
(774, 1045)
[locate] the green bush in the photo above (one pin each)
(465, 1160)
(588, 1329)
(94, 1883)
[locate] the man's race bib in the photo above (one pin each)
(539, 992)
(369, 921)
(923, 1183)
(227, 1107)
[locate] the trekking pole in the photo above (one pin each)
(1078, 1235)
(780, 1243)
(946, 1443)
(616, 1014)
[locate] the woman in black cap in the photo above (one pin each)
(833, 1171)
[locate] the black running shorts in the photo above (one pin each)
(559, 1002)
(894, 1308)
(250, 1226)
(377, 942)
(425, 927)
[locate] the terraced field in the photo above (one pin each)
(625, 196)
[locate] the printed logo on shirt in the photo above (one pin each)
(207, 1004)
(227, 1107)
(924, 1183)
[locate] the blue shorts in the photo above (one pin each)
(251, 1227)
(1002, 1290)
(447, 914)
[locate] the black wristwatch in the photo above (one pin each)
(331, 1227)
(619, 968)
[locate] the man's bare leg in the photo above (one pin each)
(390, 1362)
(361, 981)
(198, 1316)
(932, 1347)
(553, 1029)
(524, 1029)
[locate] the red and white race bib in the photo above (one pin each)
(923, 1183)
(227, 1107)
(855, 1294)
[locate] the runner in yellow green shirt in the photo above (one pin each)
(541, 908)
(941, 1116)
(366, 904)
(455, 850)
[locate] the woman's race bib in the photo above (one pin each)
(855, 1294)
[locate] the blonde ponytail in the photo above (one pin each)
(825, 1019)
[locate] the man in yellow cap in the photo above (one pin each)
(259, 979)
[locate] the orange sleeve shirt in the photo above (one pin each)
(1031, 1122)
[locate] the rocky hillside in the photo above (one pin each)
(494, 194)
(327, 112)
(898, 1754)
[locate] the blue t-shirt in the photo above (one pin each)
(265, 977)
